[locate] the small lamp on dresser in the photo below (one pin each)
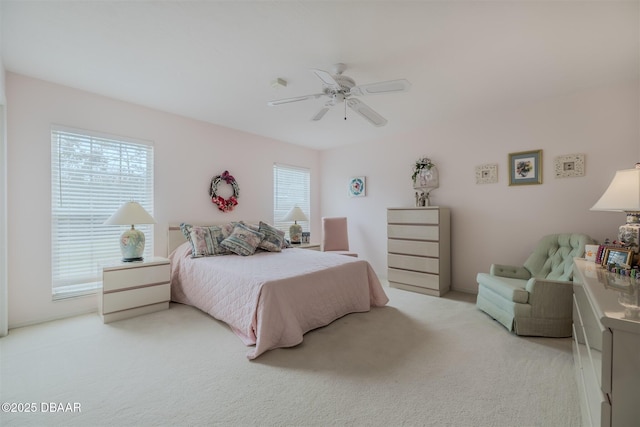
(132, 240)
(295, 231)
(623, 195)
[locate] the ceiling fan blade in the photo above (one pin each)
(296, 99)
(365, 111)
(401, 85)
(320, 114)
(327, 79)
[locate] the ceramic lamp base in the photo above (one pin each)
(295, 234)
(132, 245)
(629, 233)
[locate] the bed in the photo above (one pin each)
(271, 299)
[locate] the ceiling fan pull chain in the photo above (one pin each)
(345, 110)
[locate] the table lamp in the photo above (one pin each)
(132, 240)
(623, 195)
(295, 231)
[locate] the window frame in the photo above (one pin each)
(283, 202)
(99, 173)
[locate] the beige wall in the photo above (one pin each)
(493, 222)
(187, 154)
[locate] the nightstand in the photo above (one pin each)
(131, 289)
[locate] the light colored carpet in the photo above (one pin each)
(419, 361)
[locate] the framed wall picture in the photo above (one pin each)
(525, 168)
(569, 165)
(487, 174)
(357, 186)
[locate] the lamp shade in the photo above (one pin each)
(295, 214)
(623, 194)
(129, 214)
(131, 241)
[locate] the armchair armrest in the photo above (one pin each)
(510, 271)
(550, 298)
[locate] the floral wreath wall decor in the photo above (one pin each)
(225, 205)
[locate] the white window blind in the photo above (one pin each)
(291, 187)
(92, 175)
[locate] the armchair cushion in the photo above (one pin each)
(509, 288)
(509, 271)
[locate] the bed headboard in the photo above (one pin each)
(175, 237)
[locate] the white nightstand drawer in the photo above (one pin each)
(123, 300)
(415, 263)
(416, 232)
(413, 247)
(412, 216)
(132, 277)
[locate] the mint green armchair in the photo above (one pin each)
(535, 299)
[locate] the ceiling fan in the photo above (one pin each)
(340, 88)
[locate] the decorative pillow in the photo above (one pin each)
(205, 240)
(243, 240)
(273, 238)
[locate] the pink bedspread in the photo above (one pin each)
(272, 299)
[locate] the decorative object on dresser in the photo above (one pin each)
(425, 179)
(620, 257)
(419, 251)
(606, 347)
(335, 236)
(225, 205)
(623, 195)
(525, 168)
(132, 240)
(132, 289)
(534, 299)
(569, 165)
(295, 231)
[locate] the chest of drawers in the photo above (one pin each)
(419, 250)
(606, 347)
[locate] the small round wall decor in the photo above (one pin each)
(225, 205)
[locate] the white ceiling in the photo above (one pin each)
(215, 61)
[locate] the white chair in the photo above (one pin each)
(335, 237)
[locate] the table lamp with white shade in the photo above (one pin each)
(623, 195)
(295, 231)
(132, 240)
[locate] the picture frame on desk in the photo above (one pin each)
(601, 251)
(617, 256)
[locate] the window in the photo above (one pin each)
(291, 187)
(92, 175)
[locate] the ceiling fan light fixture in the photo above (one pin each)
(340, 88)
(278, 83)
